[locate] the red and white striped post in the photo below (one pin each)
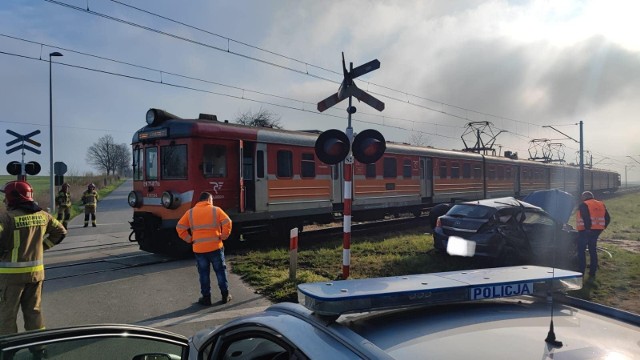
(293, 253)
(346, 212)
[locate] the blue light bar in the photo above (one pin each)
(361, 295)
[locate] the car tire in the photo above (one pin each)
(508, 256)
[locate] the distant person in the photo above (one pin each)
(63, 200)
(206, 226)
(90, 201)
(26, 231)
(592, 218)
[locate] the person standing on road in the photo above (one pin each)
(90, 201)
(63, 200)
(206, 226)
(26, 231)
(592, 218)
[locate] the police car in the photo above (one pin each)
(516, 312)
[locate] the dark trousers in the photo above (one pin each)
(588, 239)
(203, 262)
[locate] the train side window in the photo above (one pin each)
(308, 166)
(260, 164)
(174, 162)
(492, 172)
(500, 172)
(466, 171)
(138, 164)
(507, 172)
(390, 168)
(371, 171)
(406, 169)
(285, 164)
(443, 170)
(477, 172)
(151, 163)
(455, 170)
(214, 161)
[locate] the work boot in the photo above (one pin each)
(93, 224)
(205, 300)
(86, 224)
(226, 297)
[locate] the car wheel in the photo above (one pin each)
(509, 256)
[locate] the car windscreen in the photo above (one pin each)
(471, 211)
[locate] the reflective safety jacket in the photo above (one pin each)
(63, 199)
(205, 227)
(592, 215)
(24, 236)
(90, 198)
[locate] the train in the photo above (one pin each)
(270, 180)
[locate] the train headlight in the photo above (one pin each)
(170, 200)
(134, 199)
(157, 116)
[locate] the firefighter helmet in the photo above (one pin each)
(17, 192)
(91, 186)
(65, 187)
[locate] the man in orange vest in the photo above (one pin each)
(592, 218)
(206, 226)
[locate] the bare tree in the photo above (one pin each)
(103, 154)
(262, 118)
(418, 138)
(122, 159)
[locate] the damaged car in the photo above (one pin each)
(507, 231)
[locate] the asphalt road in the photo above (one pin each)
(96, 275)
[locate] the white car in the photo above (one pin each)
(516, 312)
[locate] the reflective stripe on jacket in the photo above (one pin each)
(24, 237)
(90, 197)
(597, 212)
(63, 199)
(205, 227)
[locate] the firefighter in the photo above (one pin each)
(90, 201)
(63, 200)
(206, 226)
(26, 231)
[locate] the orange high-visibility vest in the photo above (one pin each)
(205, 227)
(597, 212)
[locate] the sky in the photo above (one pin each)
(448, 69)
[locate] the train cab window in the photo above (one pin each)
(174, 162)
(371, 171)
(477, 172)
(285, 164)
(151, 163)
(390, 168)
(466, 171)
(406, 169)
(214, 161)
(455, 170)
(308, 168)
(138, 164)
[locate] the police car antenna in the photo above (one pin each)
(551, 335)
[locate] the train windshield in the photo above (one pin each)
(172, 166)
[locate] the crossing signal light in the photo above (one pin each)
(368, 146)
(14, 168)
(332, 146)
(32, 168)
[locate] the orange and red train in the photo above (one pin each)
(270, 180)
